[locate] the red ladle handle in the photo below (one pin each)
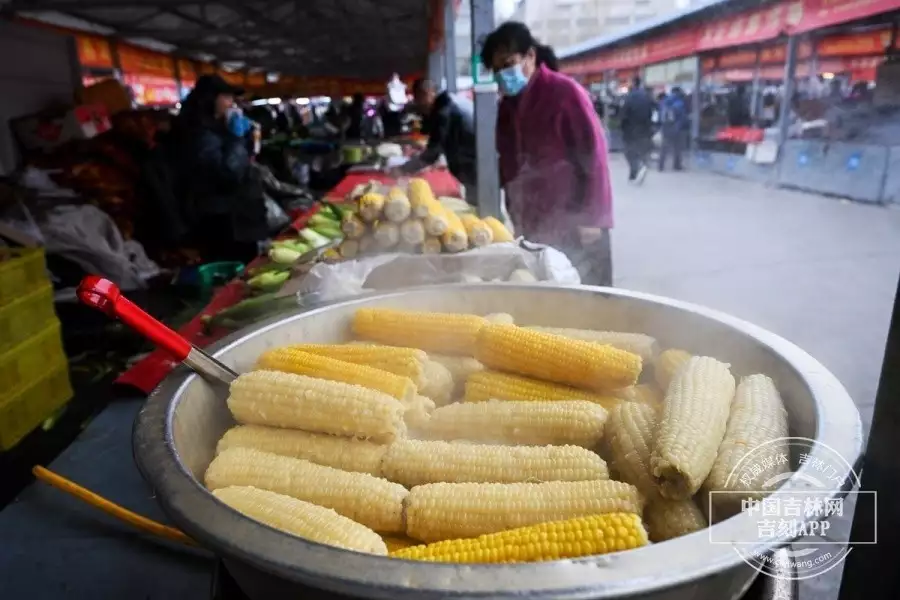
(105, 296)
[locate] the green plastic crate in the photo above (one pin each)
(22, 318)
(26, 363)
(26, 410)
(22, 270)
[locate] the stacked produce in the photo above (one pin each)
(412, 220)
(467, 438)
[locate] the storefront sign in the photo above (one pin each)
(138, 61)
(750, 27)
(739, 58)
(94, 51)
(187, 73)
(855, 44)
(823, 13)
(235, 78)
(153, 91)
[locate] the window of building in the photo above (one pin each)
(617, 21)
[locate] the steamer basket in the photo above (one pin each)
(176, 434)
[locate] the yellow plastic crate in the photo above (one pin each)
(26, 316)
(26, 363)
(23, 413)
(22, 270)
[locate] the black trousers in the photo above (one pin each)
(593, 261)
(672, 143)
(636, 153)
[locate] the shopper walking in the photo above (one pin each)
(637, 130)
(674, 125)
(553, 155)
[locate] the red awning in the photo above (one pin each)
(824, 13)
(750, 27)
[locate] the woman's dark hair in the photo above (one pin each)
(199, 108)
(512, 36)
(546, 56)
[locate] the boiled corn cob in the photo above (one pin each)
(396, 543)
(454, 239)
(758, 423)
(521, 276)
(643, 393)
(370, 206)
(691, 426)
(478, 232)
(572, 538)
(303, 519)
(352, 226)
(554, 358)
(447, 333)
(348, 454)
(417, 462)
(575, 422)
(405, 362)
(374, 502)
(460, 367)
(349, 249)
(437, 221)
(438, 383)
(421, 197)
(444, 511)
(432, 245)
(367, 244)
(636, 343)
(493, 385)
(499, 231)
(299, 402)
(397, 206)
(418, 413)
(289, 359)
(630, 433)
(669, 519)
(386, 234)
(500, 319)
(412, 232)
(667, 364)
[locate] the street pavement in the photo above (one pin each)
(821, 272)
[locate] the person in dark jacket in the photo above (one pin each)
(221, 194)
(356, 112)
(637, 129)
(450, 122)
(674, 124)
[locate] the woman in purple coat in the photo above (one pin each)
(553, 155)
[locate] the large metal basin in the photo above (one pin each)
(176, 433)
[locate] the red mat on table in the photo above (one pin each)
(441, 181)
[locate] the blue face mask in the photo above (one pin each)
(511, 80)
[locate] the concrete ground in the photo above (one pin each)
(818, 271)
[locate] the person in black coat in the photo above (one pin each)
(637, 129)
(221, 194)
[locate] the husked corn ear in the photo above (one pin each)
(386, 234)
(667, 364)
(479, 232)
(418, 412)
(397, 206)
(289, 359)
(299, 402)
(460, 367)
(412, 232)
(374, 502)
(395, 543)
(303, 519)
(352, 226)
(438, 383)
(629, 439)
(493, 385)
(500, 319)
(349, 248)
(370, 206)
(432, 245)
(572, 538)
(367, 244)
(349, 454)
(669, 519)
(444, 511)
(554, 358)
(636, 343)
(448, 333)
(757, 423)
(575, 422)
(499, 230)
(417, 462)
(691, 426)
(420, 196)
(643, 393)
(454, 238)
(405, 362)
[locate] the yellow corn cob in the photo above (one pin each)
(289, 359)
(758, 424)
(303, 519)
(397, 206)
(643, 393)
(455, 238)
(493, 385)
(432, 245)
(669, 519)
(370, 206)
(575, 422)
(437, 221)
(332, 255)
(448, 333)
(500, 319)
(349, 454)
(460, 368)
(636, 343)
(417, 462)
(479, 232)
(386, 234)
(418, 413)
(374, 502)
(499, 230)
(444, 511)
(667, 364)
(421, 196)
(554, 358)
(691, 426)
(349, 249)
(396, 543)
(412, 232)
(405, 362)
(629, 439)
(352, 226)
(439, 384)
(572, 538)
(367, 244)
(299, 402)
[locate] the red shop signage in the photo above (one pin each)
(750, 27)
(822, 13)
(856, 44)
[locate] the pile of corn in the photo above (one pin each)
(466, 438)
(413, 221)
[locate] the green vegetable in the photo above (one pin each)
(314, 239)
(322, 219)
(282, 255)
(271, 281)
(331, 232)
(269, 266)
(295, 245)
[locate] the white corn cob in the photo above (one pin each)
(397, 206)
(460, 367)
(386, 234)
(667, 364)
(438, 383)
(669, 519)
(412, 232)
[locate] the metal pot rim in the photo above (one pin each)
(654, 567)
